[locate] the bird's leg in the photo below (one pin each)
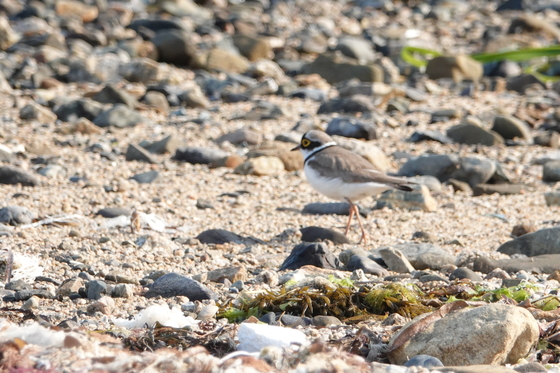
(364, 234)
(350, 214)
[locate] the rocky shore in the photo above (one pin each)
(154, 219)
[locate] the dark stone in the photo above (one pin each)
(464, 273)
(441, 166)
(367, 265)
(113, 212)
(17, 285)
(474, 170)
(16, 215)
(315, 254)
(219, 236)
(424, 255)
(535, 264)
(295, 321)
(311, 94)
(146, 177)
(195, 155)
(119, 116)
(175, 46)
(503, 189)
(138, 153)
(112, 95)
(14, 175)
(353, 104)
(69, 324)
(95, 289)
(317, 234)
(331, 208)
(429, 135)
(425, 361)
(471, 134)
(173, 284)
(350, 127)
(268, 318)
(541, 242)
(324, 321)
(551, 171)
(83, 108)
(155, 25)
(203, 204)
(26, 294)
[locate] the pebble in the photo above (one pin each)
(316, 254)
(173, 284)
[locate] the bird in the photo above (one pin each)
(343, 175)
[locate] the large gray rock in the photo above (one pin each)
(395, 260)
(541, 242)
(173, 284)
(16, 215)
(471, 134)
(119, 116)
(422, 255)
(474, 170)
(551, 171)
(494, 334)
(438, 165)
(14, 175)
(510, 127)
(536, 264)
(418, 199)
(315, 254)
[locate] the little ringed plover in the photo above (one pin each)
(343, 175)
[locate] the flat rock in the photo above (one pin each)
(461, 337)
(14, 175)
(219, 236)
(474, 171)
(350, 127)
(113, 212)
(503, 189)
(110, 94)
(196, 155)
(146, 177)
(175, 46)
(471, 134)
(16, 215)
(137, 153)
(174, 284)
(352, 104)
(395, 260)
(422, 255)
(510, 128)
(241, 136)
(430, 135)
(317, 234)
(418, 199)
(476, 369)
(464, 273)
(551, 171)
(425, 361)
(367, 265)
(541, 242)
(315, 254)
(457, 68)
(234, 273)
(168, 144)
(441, 166)
(433, 184)
(119, 116)
(334, 68)
(261, 166)
(535, 264)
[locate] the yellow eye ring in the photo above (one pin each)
(305, 143)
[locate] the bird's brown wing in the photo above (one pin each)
(337, 162)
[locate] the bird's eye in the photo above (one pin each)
(305, 143)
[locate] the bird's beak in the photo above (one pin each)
(296, 148)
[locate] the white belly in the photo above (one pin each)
(338, 190)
